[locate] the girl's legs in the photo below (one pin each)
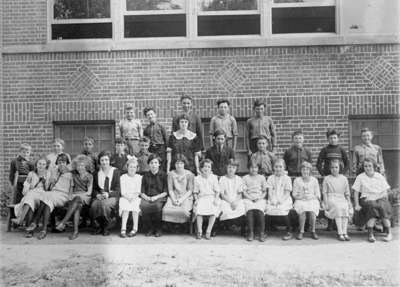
(370, 228)
(268, 220)
(288, 228)
(211, 220)
(250, 224)
(261, 221)
(124, 216)
(77, 216)
(46, 216)
(76, 204)
(36, 217)
(20, 219)
(302, 222)
(135, 218)
(345, 223)
(386, 225)
(313, 219)
(339, 224)
(199, 222)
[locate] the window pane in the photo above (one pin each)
(303, 20)
(133, 5)
(171, 25)
(229, 25)
(81, 31)
(218, 5)
(81, 9)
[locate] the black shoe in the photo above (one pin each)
(106, 232)
(97, 231)
(158, 233)
(150, 232)
(250, 236)
(314, 236)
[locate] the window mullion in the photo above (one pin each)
(191, 19)
(266, 18)
(117, 18)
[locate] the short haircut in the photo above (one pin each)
(119, 141)
(306, 164)
(128, 107)
(366, 130)
(221, 101)
(184, 96)
(204, 161)
(25, 146)
(62, 157)
(296, 133)
(130, 161)
(39, 159)
(148, 109)
(82, 159)
(331, 132)
(181, 158)
(336, 160)
(219, 132)
(281, 161)
(104, 153)
(371, 160)
(59, 141)
(258, 103)
(153, 157)
(88, 139)
(144, 140)
(233, 162)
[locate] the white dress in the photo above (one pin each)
(279, 201)
(254, 186)
(130, 188)
(206, 189)
(306, 195)
(232, 188)
(336, 189)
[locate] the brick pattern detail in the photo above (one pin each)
(379, 72)
(83, 80)
(230, 77)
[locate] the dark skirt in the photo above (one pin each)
(148, 208)
(379, 208)
(103, 208)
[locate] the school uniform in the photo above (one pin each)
(373, 197)
(328, 153)
(188, 145)
(336, 189)
(265, 160)
(179, 185)
(109, 183)
(158, 141)
(226, 123)
(194, 126)
(130, 188)
(257, 127)
(19, 167)
(130, 131)
(364, 151)
(294, 157)
(220, 156)
(232, 188)
(206, 189)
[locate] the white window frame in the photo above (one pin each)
(51, 21)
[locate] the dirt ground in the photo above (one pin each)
(181, 260)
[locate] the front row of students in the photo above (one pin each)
(180, 197)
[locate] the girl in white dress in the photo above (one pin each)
(232, 187)
(307, 199)
(131, 184)
(254, 200)
(206, 193)
(279, 201)
(336, 199)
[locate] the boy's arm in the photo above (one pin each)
(345, 161)
(380, 163)
(212, 130)
(164, 136)
(248, 128)
(272, 131)
(235, 132)
(320, 161)
(13, 171)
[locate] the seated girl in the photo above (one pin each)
(180, 193)
(279, 201)
(36, 183)
(82, 185)
(60, 188)
(131, 185)
(336, 199)
(254, 200)
(232, 186)
(307, 199)
(371, 199)
(206, 194)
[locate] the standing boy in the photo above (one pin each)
(220, 154)
(131, 130)
(224, 121)
(119, 158)
(143, 155)
(19, 169)
(296, 154)
(260, 125)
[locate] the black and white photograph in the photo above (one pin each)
(178, 143)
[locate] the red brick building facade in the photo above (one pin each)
(80, 87)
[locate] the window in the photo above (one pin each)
(386, 130)
(241, 147)
(303, 16)
(103, 132)
(228, 17)
(154, 18)
(81, 19)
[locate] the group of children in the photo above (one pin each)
(139, 178)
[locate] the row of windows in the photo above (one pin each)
(91, 19)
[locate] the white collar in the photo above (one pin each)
(189, 135)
